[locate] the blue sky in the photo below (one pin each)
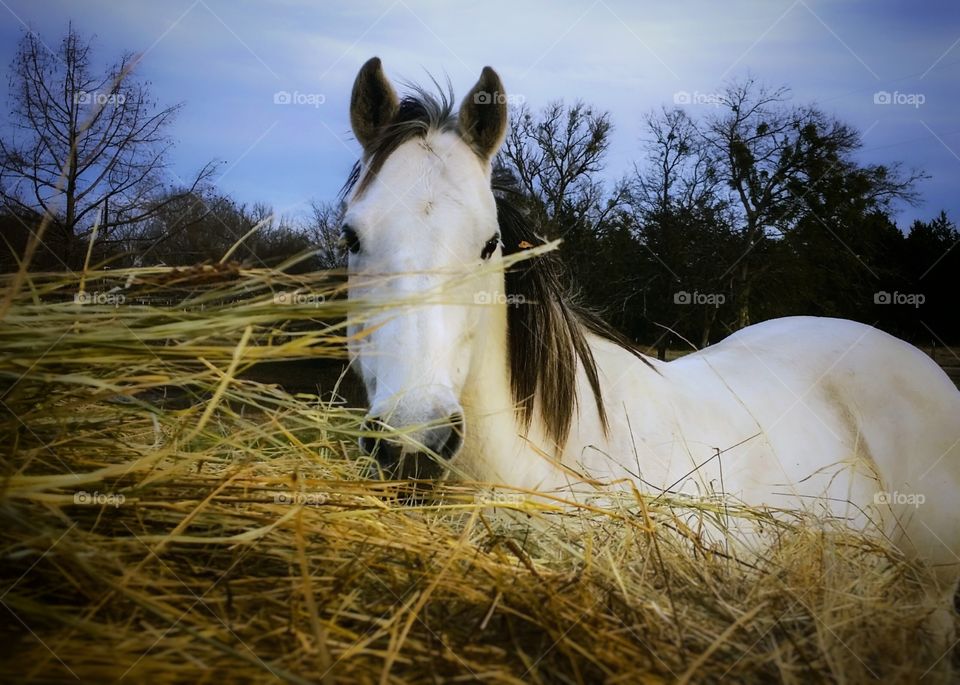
(226, 60)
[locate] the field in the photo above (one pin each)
(170, 513)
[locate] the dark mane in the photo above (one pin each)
(546, 332)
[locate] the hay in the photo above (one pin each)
(167, 519)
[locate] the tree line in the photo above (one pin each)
(753, 209)
(756, 209)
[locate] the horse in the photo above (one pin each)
(492, 374)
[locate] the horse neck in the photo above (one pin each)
(497, 447)
(492, 438)
(488, 383)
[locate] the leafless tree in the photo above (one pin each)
(322, 228)
(771, 156)
(196, 228)
(678, 171)
(85, 149)
(557, 156)
(681, 219)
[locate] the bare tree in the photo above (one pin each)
(557, 156)
(679, 171)
(196, 228)
(771, 156)
(682, 221)
(322, 228)
(85, 149)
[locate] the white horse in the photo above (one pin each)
(495, 376)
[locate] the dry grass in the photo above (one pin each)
(248, 547)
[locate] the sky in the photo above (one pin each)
(889, 68)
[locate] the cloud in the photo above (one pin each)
(226, 60)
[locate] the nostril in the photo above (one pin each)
(369, 445)
(454, 438)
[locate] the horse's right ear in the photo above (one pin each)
(373, 102)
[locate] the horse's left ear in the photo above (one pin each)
(483, 115)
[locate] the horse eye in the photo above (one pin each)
(490, 247)
(349, 240)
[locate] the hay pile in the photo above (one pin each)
(167, 519)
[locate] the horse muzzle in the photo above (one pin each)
(421, 454)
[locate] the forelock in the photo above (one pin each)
(421, 113)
